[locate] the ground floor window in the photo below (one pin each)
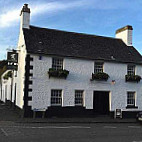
(131, 98)
(56, 97)
(79, 97)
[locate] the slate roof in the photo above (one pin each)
(78, 45)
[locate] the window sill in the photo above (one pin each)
(78, 105)
(131, 107)
(54, 105)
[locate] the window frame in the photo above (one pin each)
(82, 101)
(131, 99)
(98, 69)
(57, 63)
(55, 97)
(131, 69)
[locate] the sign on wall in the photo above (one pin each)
(12, 57)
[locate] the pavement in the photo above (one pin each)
(100, 119)
(8, 114)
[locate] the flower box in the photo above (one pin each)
(132, 78)
(58, 73)
(100, 76)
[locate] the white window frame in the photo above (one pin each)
(131, 69)
(79, 94)
(98, 67)
(131, 99)
(57, 96)
(57, 63)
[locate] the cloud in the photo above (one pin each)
(11, 17)
(57, 6)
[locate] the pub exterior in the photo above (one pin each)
(59, 73)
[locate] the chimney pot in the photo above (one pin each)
(26, 5)
(25, 9)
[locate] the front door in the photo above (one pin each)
(101, 102)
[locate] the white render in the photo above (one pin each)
(79, 79)
(126, 36)
(25, 20)
(19, 80)
(6, 88)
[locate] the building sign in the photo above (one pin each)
(11, 66)
(12, 57)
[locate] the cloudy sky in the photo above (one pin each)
(99, 17)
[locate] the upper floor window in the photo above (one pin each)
(98, 67)
(131, 70)
(57, 63)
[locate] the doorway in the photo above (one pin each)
(101, 102)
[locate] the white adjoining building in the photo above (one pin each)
(67, 73)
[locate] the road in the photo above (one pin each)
(45, 132)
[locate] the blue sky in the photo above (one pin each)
(98, 17)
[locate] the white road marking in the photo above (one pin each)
(5, 133)
(110, 127)
(50, 127)
(134, 127)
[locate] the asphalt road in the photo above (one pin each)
(43, 132)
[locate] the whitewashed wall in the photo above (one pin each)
(19, 80)
(79, 78)
(6, 93)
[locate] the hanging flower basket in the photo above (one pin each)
(132, 78)
(101, 76)
(58, 73)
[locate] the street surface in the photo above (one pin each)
(15, 129)
(43, 132)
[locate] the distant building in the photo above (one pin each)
(70, 74)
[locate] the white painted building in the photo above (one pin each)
(6, 87)
(66, 73)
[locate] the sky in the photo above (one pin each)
(98, 17)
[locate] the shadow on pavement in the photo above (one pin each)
(7, 113)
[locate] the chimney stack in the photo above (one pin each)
(125, 34)
(25, 17)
